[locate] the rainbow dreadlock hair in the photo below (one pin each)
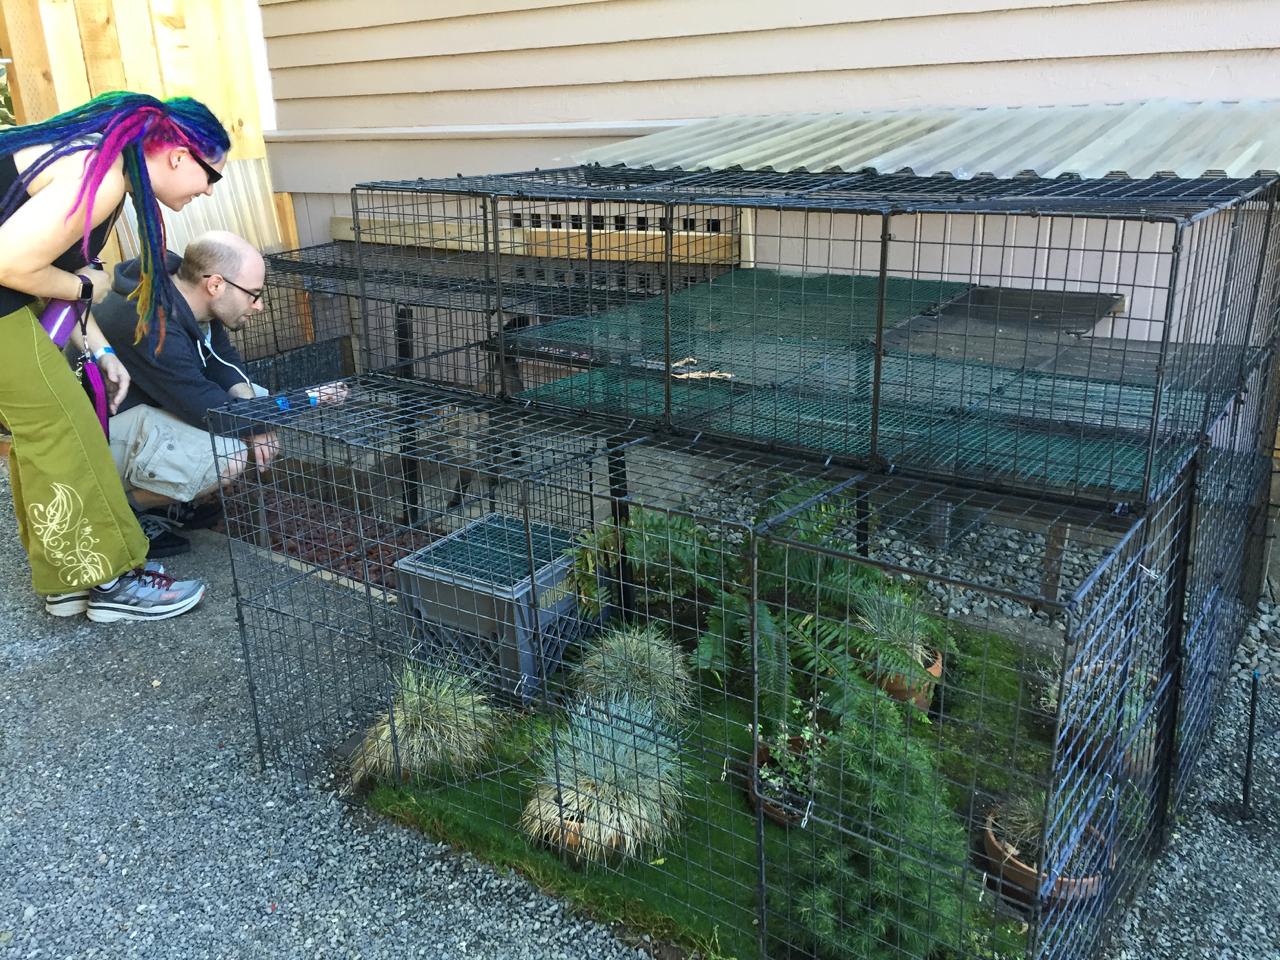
(129, 125)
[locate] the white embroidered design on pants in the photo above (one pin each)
(67, 538)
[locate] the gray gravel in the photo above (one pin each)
(1214, 891)
(134, 821)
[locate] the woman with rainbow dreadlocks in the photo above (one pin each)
(63, 182)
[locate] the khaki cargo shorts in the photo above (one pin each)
(157, 452)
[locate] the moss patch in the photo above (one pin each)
(989, 739)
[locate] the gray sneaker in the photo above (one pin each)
(77, 601)
(143, 595)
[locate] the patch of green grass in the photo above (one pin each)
(700, 892)
(989, 740)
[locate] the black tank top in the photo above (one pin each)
(71, 261)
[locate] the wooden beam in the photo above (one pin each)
(100, 47)
(30, 74)
(177, 73)
(139, 53)
(66, 57)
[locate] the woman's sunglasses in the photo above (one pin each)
(213, 175)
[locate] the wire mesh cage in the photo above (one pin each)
(798, 565)
(782, 706)
(1070, 338)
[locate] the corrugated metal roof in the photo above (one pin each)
(1150, 138)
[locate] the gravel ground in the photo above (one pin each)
(1213, 892)
(134, 821)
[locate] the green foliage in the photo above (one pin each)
(881, 877)
(1019, 823)
(611, 783)
(639, 663)
(6, 99)
(795, 757)
(899, 637)
(670, 556)
(440, 722)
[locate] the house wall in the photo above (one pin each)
(406, 89)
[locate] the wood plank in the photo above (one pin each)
(177, 72)
(287, 220)
(1026, 35)
(227, 76)
(66, 58)
(612, 245)
(100, 46)
(139, 52)
(30, 74)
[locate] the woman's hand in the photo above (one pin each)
(116, 377)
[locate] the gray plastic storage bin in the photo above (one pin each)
(469, 598)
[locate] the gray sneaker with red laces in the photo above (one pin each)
(143, 595)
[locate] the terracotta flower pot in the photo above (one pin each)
(1026, 879)
(921, 694)
(775, 810)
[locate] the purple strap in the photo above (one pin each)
(97, 391)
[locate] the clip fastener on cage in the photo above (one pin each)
(808, 809)
(724, 770)
(1151, 574)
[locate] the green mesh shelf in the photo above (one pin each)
(759, 304)
(911, 379)
(1076, 400)
(1045, 460)
(827, 423)
(631, 393)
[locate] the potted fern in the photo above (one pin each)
(1013, 837)
(441, 723)
(611, 783)
(902, 645)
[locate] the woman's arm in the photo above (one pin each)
(40, 231)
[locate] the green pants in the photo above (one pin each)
(73, 518)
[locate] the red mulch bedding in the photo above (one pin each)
(360, 547)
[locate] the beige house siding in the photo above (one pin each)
(405, 89)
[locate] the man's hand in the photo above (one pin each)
(265, 447)
(334, 392)
(116, 378)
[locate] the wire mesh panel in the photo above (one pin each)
(807, 565)
(1051, 338)
(767, 704)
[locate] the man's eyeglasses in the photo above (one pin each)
(253, 295)
(213, 175)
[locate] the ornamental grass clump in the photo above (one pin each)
(441, 722)
(638, 663)
(611, 783)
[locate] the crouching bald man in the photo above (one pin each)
(159, 440)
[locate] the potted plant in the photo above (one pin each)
(882, 876)
(784, 767)
(1012, 837)
(441, 723)
(611, 783)
(1101, 716)
(639, 662)
(902, 645)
